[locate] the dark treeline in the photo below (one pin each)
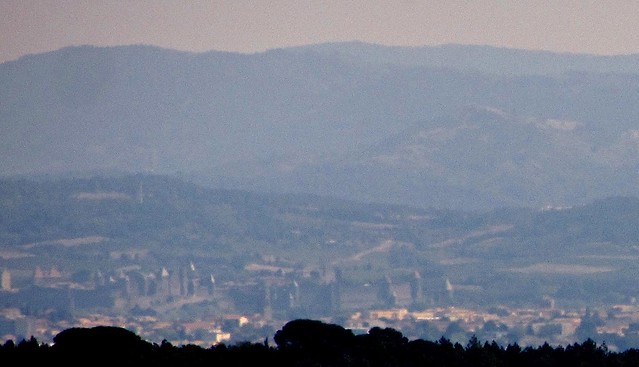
(302, 342)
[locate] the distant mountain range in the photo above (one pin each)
(460, 127)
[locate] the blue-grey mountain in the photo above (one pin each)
(450, 126)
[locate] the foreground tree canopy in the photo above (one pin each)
(302, 342)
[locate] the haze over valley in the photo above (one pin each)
(350, 181)
(452, 127)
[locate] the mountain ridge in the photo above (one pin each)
(295, 120)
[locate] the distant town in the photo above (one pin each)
(255, 308)
(173, 261)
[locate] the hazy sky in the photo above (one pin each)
(600, 27)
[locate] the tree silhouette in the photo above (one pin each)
(312, 340)
(303, 342)
(106, 343)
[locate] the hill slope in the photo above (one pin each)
(580, 254)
